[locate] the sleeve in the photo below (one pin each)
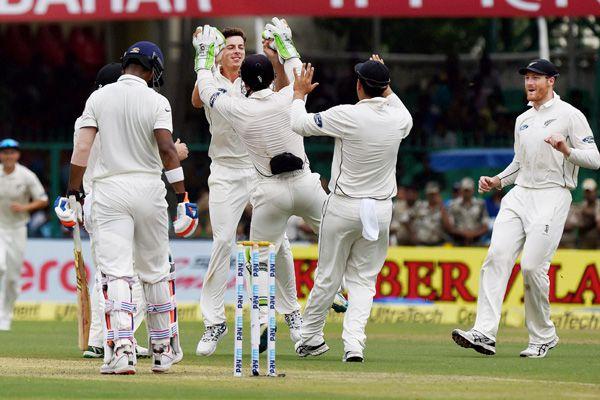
(328, 123)
(290, 65)
(89, 117)
(213, 97)
(394, 101)
(36, 190)
(164, 116)
(510, 173)
(584, 152)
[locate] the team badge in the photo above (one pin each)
(549, 122)
(589, 139)
(318, 120)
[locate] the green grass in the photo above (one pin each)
(403, 361)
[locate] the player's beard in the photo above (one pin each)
(537, 95)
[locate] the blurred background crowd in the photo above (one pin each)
(465, 98)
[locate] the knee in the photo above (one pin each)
(221, 243)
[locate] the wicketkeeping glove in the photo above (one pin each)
(187, 218)
(67, 216)
(208, 42)
(282, 42)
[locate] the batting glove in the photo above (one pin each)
(282, 42)
(187, 218)
(67, 216)
(208, 42)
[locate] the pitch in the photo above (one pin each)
(403, 361)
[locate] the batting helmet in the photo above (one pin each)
(149, 56)
(108, 74)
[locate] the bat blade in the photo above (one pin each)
(83, 302)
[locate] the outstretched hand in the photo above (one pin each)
(303, 83)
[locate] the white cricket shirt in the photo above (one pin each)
(20, 186)
(92, 160)
(262, 120)
(536, 164)
(226, 147)
(126, 113)
(367, 137)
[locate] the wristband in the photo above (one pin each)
(174, 175)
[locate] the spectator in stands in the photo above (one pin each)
(468, 219)
(426, 227)
(589, 209)
(402, 215)
(492, 203)
(569, 236)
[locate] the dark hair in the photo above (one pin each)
(229, 32)
(370, 90)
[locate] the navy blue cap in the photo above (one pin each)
(9, 144)
(257, 71)
(542, 67)
(373, 73)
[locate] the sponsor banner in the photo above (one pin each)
(416, 284)
(57, 10)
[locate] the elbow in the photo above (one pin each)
(196, 102)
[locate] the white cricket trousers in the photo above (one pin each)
(96, 338)
(131, 237)
(345, 254)
(531, 220)
(12, 249)
(275, 200)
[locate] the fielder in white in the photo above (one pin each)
(20, 193)
(108, 74)
(354, 234)
(285, 185)
(133, 125)
(552, 140)
(232, 179)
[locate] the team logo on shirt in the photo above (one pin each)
(549, 122)
(589, 139)
(523, 127)
(318, 120)
(213, 98)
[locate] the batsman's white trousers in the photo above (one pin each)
(12, 249)
(229, 192)
(345, 254)
(275, 200)
(130, 223)
(531, 220)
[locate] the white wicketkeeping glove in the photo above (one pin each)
(282, 42)
(187, 218)
(208, 42)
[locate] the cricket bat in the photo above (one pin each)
(83, 294)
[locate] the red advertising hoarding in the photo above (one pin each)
(62, 10)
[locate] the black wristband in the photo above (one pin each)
(79, 196)
(181, 197)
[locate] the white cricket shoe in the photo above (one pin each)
(211, 337)
(178, 356)
(304, 350)
(141, 352)
(163, 357)
(353, 356)
(4, 324)
(539, 350)
(294, 322)
(475, 340)
(121, 363)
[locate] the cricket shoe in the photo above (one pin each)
(211, 337)
(94, 352)
(353, 356)
(141, 352)
(304, 350)
(340, 303)
(539, 350)
(473, 339)
(294, 322)
(163, 357)
(121, 363)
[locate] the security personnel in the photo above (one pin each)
(468, 217)
(354, 234)
(20, 193)
(552, 140)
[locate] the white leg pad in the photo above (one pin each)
(118, 309)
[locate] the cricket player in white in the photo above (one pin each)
(108, 74)
(552, 140)
(285, 185)
(133, 125)
(354, 234)
(20, 193)
(231, 180)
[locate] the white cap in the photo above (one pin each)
(467, 183)
(589, 184)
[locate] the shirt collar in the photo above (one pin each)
(373, 100)
(261, 94)
(132, 78)
(549, 103)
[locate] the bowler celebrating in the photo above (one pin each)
(552, 140)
